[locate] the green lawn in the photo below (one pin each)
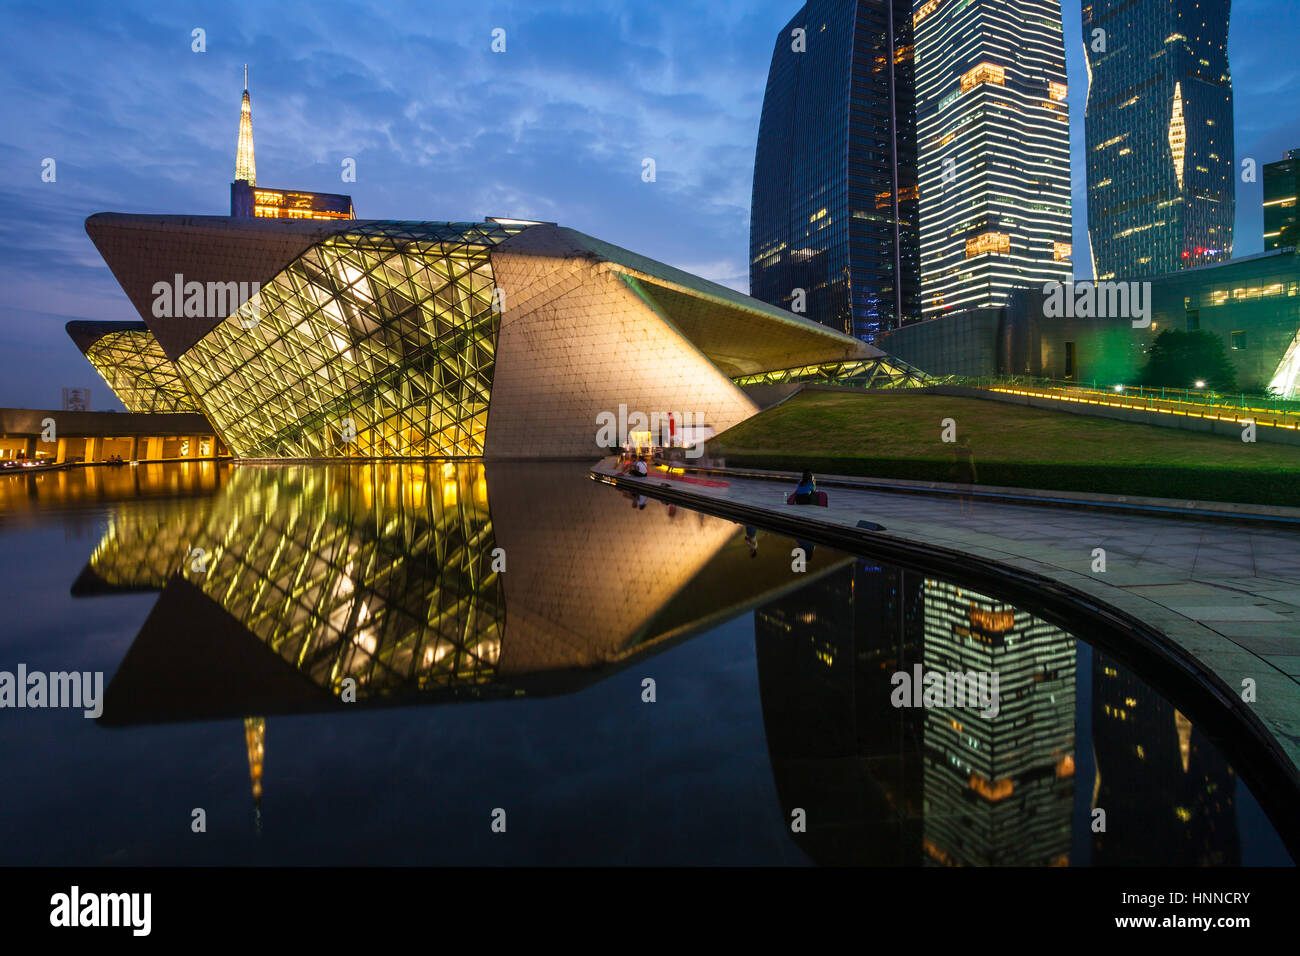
(896, 434)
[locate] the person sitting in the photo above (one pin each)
(639, 468)
(805, 493)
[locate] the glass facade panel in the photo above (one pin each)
(994, 151)
(379, 342)
(835, 193)
(140, 375)
(1161, 178)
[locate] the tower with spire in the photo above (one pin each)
(245, 168)
(248, 200)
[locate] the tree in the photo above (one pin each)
(1181, 359)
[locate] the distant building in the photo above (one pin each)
(1252, 304)
(1281, 187)
(248, 200)
(993, 136)
(1161, 174)
(834, 215)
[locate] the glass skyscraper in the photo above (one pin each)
(993, 134)
(1281, 189)
(1161, 176)
(835, 193)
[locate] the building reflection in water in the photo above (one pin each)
(999, 789)
(1165, 788)
(255, 740)
(291, 589)
(839, 750)
(936, 786)
(106, 484)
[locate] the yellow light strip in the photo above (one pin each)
(1111, 403)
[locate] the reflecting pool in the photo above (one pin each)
(623, 682)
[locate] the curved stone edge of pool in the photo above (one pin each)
(1226, 621)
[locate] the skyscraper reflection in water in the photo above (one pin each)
(1160, 781)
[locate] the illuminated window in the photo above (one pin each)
(984, 73)
(990, 242)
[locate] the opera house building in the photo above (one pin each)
(317, 339)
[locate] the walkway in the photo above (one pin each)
(1226, 593)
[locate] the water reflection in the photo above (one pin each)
(390, 584)
(303, 589)
(23, 495)
(1185, 801)
(883, 785)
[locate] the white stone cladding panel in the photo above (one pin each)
(575, 341)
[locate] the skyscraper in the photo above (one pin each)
(1161, 178)
(245, 168)
(834, 202)
(1281, 187)
(993, 136)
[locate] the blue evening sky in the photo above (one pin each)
(440, 127)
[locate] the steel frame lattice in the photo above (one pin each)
(142, 377)
(377, 342)
(382, 577)
(884, 372)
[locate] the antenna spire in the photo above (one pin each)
(245, 169)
